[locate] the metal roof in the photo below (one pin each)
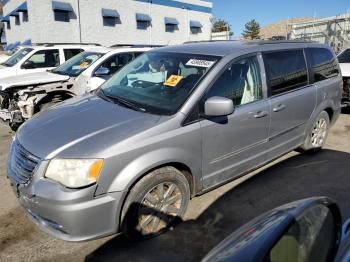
(222, 48)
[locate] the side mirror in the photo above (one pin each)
(102, 71)
(28, 65)
(218, 106)
(306, 230)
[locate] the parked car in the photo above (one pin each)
(39, 58)
(22, 97)
(306, 230)
(6, 55)
(344, 62)
(172, 124)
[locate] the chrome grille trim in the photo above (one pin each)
(21, 164)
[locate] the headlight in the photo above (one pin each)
(74, 173)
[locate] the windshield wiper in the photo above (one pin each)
(124, 102)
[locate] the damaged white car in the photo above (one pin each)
(22, 97)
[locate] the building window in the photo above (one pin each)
(143, 21)
(170, 28)
(17, 21)
(23, 8)
(196, 27)
(143, 25)
(110, 17)
(25, 17)
(109, 21)
(8, 25)
(171, 24)
(196, 30)
(61, 16)
(62, 11)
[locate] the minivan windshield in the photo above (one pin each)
(78, 64)
(157, 82)
(16, 57)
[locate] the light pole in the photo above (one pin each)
(79, 22)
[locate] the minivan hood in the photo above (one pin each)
(345, 69)
(31, 79)
(80, 126)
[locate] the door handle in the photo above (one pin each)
(279, 108)
(260, 114)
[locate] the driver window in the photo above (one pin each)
(309, 239)
(241, 82)
(44, 58)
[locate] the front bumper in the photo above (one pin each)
(11, 116)
(71, 215)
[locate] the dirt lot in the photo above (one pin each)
(211, 217)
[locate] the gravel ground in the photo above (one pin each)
(210, 218)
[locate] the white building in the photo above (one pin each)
(107, 22)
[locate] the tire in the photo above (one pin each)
(155, 204)
(317, 136)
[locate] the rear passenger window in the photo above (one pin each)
(324, 64)
(69, 53)
(286, 70)
(241, 82)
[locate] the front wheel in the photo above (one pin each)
(317, 136)
(155, 203)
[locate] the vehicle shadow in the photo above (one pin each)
(301, 176)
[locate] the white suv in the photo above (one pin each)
(39, 58)
(23, 96)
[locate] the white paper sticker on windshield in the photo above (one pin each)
(200, 63)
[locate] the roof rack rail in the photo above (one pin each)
(135, 46)
(52, 44)
(269, 42)
(209, 41)
(254, 42)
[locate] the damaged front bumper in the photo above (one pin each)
(7, 116)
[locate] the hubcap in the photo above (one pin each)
(159, 207)
(319, 133)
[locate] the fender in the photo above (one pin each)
(142, 165)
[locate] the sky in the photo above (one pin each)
(238, 12)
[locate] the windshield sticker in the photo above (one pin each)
(173, 80)
(84, 64)
(200, 63)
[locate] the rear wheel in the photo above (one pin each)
(156, 203)
(317, 136)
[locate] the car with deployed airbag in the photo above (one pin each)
(172, 124)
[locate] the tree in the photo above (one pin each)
(252, 30)
(221, 25)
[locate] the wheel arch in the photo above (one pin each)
(137, 169)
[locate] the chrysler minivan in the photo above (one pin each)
(174, 123)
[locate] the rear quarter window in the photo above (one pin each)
(323, 63)
(285, 70)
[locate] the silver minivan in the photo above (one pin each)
(172, 124)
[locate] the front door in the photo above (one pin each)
(236, 143)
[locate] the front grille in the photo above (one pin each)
(21, 164)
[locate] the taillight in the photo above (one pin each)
(342, 87)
